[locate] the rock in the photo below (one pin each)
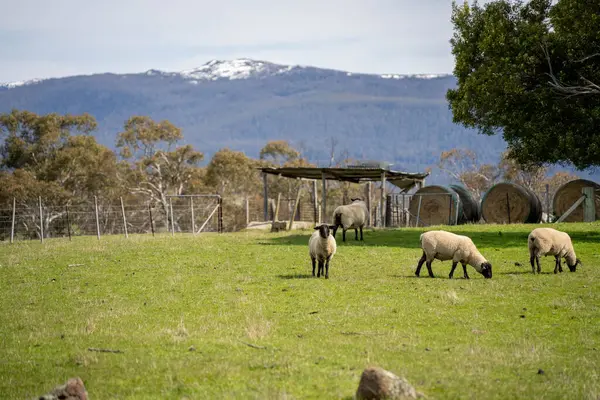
(377, 383)
(72, 390)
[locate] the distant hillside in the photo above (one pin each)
(241, 104)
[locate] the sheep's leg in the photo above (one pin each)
(428, 265)
(532, 261)
(537, 261)
(454, 264)
(344, 233)
(327, 268)
(355, 234)
(313, 264)
(421, 261)
(361, 236)
(465, 270)
(320, 269)
(556, 264)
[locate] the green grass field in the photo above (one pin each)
(239, 316)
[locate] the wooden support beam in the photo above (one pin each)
(382, 199)
(265, 198)
(324, 199)
(571, 209)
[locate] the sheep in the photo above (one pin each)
(352, 215)
(321, 247)
(549, 241)
(449, 246)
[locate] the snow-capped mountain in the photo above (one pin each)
(241, 68)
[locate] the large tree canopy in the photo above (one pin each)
(531, 71)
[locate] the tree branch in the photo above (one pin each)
(569, 90)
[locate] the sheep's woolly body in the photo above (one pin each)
(321, 248)
(445, 246)
(550, 242)
(352, 215)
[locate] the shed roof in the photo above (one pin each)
(403, 180)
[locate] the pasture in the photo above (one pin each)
(239, 316)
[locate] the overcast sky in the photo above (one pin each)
(52, 38)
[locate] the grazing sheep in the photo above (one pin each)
(349, 216)
(321, 247)
(449, 246)
(550, 242)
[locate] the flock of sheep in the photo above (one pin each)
(437, 244)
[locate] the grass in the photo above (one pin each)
(239, 316)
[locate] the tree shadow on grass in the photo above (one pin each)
(410, 239)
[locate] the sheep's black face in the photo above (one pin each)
(356, 199)
(486, 270)
(573, 268)
(323, 230)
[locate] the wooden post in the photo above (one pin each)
(508, 207)
(589, 204)
(97, 219)
(456, 212)
(382, 200)
(247, 211)
(172, 218)
(41, 220)
(419, 210)
(291, 224)
(193, 219)
(276, 215)
(68, 222)
(369, 205)
(220, 215)
(548, 202)
(315, 202)
(388, 210)
(323, 198)
(404, 212)
(265, 197)
(450, 210)
(12, 225)
(151, 220)
(571, 209)
(124, 219)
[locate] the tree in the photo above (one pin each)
(530, 71)
(232, 173)
(464, 167)
(158, 168)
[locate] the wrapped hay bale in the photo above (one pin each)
(438, 205)
(470, 207)
(568, 194)
(509, 203)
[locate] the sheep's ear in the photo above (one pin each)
(317, 227)
(332, 227)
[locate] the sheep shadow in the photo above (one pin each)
(296, 276)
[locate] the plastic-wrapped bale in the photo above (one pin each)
(509, 203)
(568, 194)
(438, 206)
(470, 207)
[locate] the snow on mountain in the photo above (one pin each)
(241, 68)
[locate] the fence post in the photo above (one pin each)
(419, 210)
(404, 211)
(276, 216)
(247, 211)
(12, 225)
(151, 220)
(68, 222)
(315, 201)
(388, 210)
(220, 215)
(589, 204)
(383, 206)
(124, 219)
(193, 219)
(97, 219)
(172, 217)
(41, 220)
(265, 197)
(369, 206)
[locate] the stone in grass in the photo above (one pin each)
(377, 383)
(72, 390)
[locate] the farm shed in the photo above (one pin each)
(355, 174)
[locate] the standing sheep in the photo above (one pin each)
(349, 216)
(449, 246)
(550, 242)
(322, 247)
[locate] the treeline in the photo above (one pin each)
(57, 158)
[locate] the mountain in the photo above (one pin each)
(243, 103)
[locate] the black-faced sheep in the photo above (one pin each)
(322, 247)
(349, 216)
(445, 246)
(550, 242)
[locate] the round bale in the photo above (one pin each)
(568, 194)
(470, 207)
(509, 203)
(437, 206)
